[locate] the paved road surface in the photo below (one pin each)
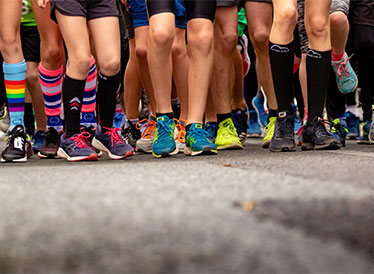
(240, 211)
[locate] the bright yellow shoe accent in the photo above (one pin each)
(269, 132)
(227, 137)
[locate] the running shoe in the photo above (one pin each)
(18, 147)
(4, 119)
(364, 139)
(211, 128)
(298, 122)
(180, 134)
(269, 132)
(164, 142)
(51, 144)
(75, 148)
(316, 136)
(119, 119)
(243, 48)
(37, 141)
(144, 144)
(346, 78)
(254, 129)
(227, 138)
(91, 131)
(284, 136)
(197, 141)
(353, 125)
(262, 115)
(112, 143)
(131, 134)
(241, 120)
(339, 129)
(371, 131)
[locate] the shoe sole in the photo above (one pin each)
(231, 146)
(141, 149)
(97, 144)
(283, 149)
(206, 151)
(166, 154)
(309, 146)
(47, 155)
(254, 135)
(62, 154)
(266, 144)
(21, 160)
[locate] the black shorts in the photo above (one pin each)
(127, 21)
(90, 9)
(30, 41)
(195, 8)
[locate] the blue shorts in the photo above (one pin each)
(139, 14)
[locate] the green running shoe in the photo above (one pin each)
(227, 137)
(197, 141)
(164, 143)
(269, 132)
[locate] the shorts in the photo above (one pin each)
(231, 3)
(125, 16)
(90, 9)
(138, 10)
(336, 5)
(30, 41)
(195, 9)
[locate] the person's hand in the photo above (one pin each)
(42, 3)
(124, 2)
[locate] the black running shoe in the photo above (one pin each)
(131, 134)
(50, 145)
(88, 136)
(16, 148)
(315, 136)
(240, 118)
(284, 136)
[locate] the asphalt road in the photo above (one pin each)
(240, 211)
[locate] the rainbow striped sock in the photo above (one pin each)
(89, 97)
(15, 83)
(51, 84)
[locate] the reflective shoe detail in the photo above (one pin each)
(131, 134)
(254, 129)
(227, 138)
(112, 143)
(89, 138)
(197, 141)
(211, 128)
(353, 125)
(262, 115)
(180, 134)
(371, 131)
(144, 144)
(16, 148)
(240, 118)
(284, 137)
(4, 119)
(50, 145)
(164, 142)
(339, 130)
(346, 78)
(364, 139)
(315, 136)
(75, 148)
(38, 141)
(269, 132)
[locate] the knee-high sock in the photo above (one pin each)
(15, 83)
(89, 97)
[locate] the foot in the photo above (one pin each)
(284, 137)
(75, 148)
(50, 145)
(211, 129)
(227, 137)
(197, 141)
(180, 134)
(254, 128)
(144, 144)
(339, 130)
(89, 135)
(346, 78)
(38, 141)
(108, 140)
(164, 142)
(269, 132)
(119, 119)
(240, 118)
(364, 139)
(315, 136)
(131, 134)
(262, 115)
(18, 147)
(353, 125)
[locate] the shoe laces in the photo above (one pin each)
(80, 139)
(228, 131)
(319, 128)
(342, 68)
(181, 131)
(164, 130)
(150, 128)
(114, 136)
(199, 134)
(284, 127)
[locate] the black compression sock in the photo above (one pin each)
(107, 90)
(222, 117)
(318, 66)
(72, 92)
(170, 115)
(281, 60)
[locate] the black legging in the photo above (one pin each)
(195, 8)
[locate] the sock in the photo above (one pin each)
(51, 84)
(223, 117)
(318, 65)
(338, 57)
(72, 92)
(119, 108)
(15, 84)
(272, 113)
(107, 90)
(170, 115)
(29, 119)
(281, 60)
(89, 97)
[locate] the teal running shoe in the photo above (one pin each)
(262, 115)
(364, 139)
(197, 141)
(254, 129)
(346, 78)
(353, 125)
(164, 142)
(339, 130)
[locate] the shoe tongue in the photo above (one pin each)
(198, 126)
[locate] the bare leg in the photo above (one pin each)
(303, 83)
(210, 112)
(339, 31)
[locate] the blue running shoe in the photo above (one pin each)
(339, 130)
(262, 115)
(346, 78)
(197, 141)
(164, 142)
(37, 141)
(241, 119)
(119, 120)
(211, 129)
(364, 139)
(298, 122)
(76, 149)
(353, 125)
(112, 143)
(254, 129)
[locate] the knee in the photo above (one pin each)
(202, 41)
(338, 20)
(161, 37)
(8, 43)
(32, 76)
(53, 55)
(286, 17)
(228, 42)
(260, 40)
(110, 67)
(178, 49)
(317, 26)
(81, 63)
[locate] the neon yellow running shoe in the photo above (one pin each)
(269, 132)
(227, 137)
